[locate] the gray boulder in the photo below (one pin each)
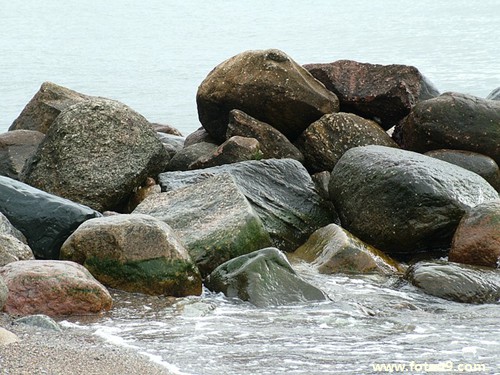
(136, 253)
(6, 228)
(402, 202)
(280, 191)
(385, 93)
(273, 144)
(44, 219)
(16, 147)
(456, 282)
(95, 153)
(263, 278)
(12, 250)
(332, 249)
(40, 321)
(213, 219)
(45, 106)
(172, 143)
(326, 140)
(184, 158)
(453, 121)
(267, 85)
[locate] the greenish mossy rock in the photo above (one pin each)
(280, 191)
(326, 140)
(456, 282)
(273, 144)
(483, 165)
(213, 219)
(96, 153)
(264, 278)
(453, 121)
(477, 238)
(135, 253)
(401, 202)
(267, 85)
(332, 249)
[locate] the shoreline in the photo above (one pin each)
(71, 351)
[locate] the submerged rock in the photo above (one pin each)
(273, 144)
(280, 191)
(332, 249)
(477, 238)
(267, 85)
(453, 121)
(382, 92)
(326, 140)
(264, 278)
(136, 253)
(45, 106)
(52, 288)
(481, 164)
(213, 219)
(402, 202)
(16, 147)
(95, 153)
(456, 282)
(45, 219)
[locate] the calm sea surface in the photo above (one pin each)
(152, 55)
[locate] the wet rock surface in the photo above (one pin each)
(402, 202)
(267, 85)
(264, 278)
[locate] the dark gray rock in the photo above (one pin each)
(198, 136)
(95, 153)
(456, 282)
(385, 93)
(453, 121)
(483, 165)
(172, 143)
(281, 192)
(494, 95)
(16, 147)
(184, 158)
(264, 278)
(402, 202)
(45, 106)
(267, 85)
(321, 181)
(326, 140)
(213, 219)
(273, 144)
(45, 219)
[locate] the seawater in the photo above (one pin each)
(152, 56)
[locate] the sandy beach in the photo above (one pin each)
(43, 351)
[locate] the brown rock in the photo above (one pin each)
(16, 147)
(198, 136)
(267, 85)
(382, 92)
(53, 288)
(167, 129)
(45, 106)
(477, 238)
(326, 140)
(273, 144)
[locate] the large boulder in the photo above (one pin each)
(136, 253)
(477, 238)
(280, 191)
(44, 219)
(456, 282)
(385, 93)
(267, 85)
(213, 219)
(53, 288)
(273, 144)
(45, 106)
(234, 150)
(483, 165)
(264, 278)
(95, 153)
(453, 121)
(12, 250)
(332, 249)
(16, 147)
(494, 95)
(402, 202)
(326, 140)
